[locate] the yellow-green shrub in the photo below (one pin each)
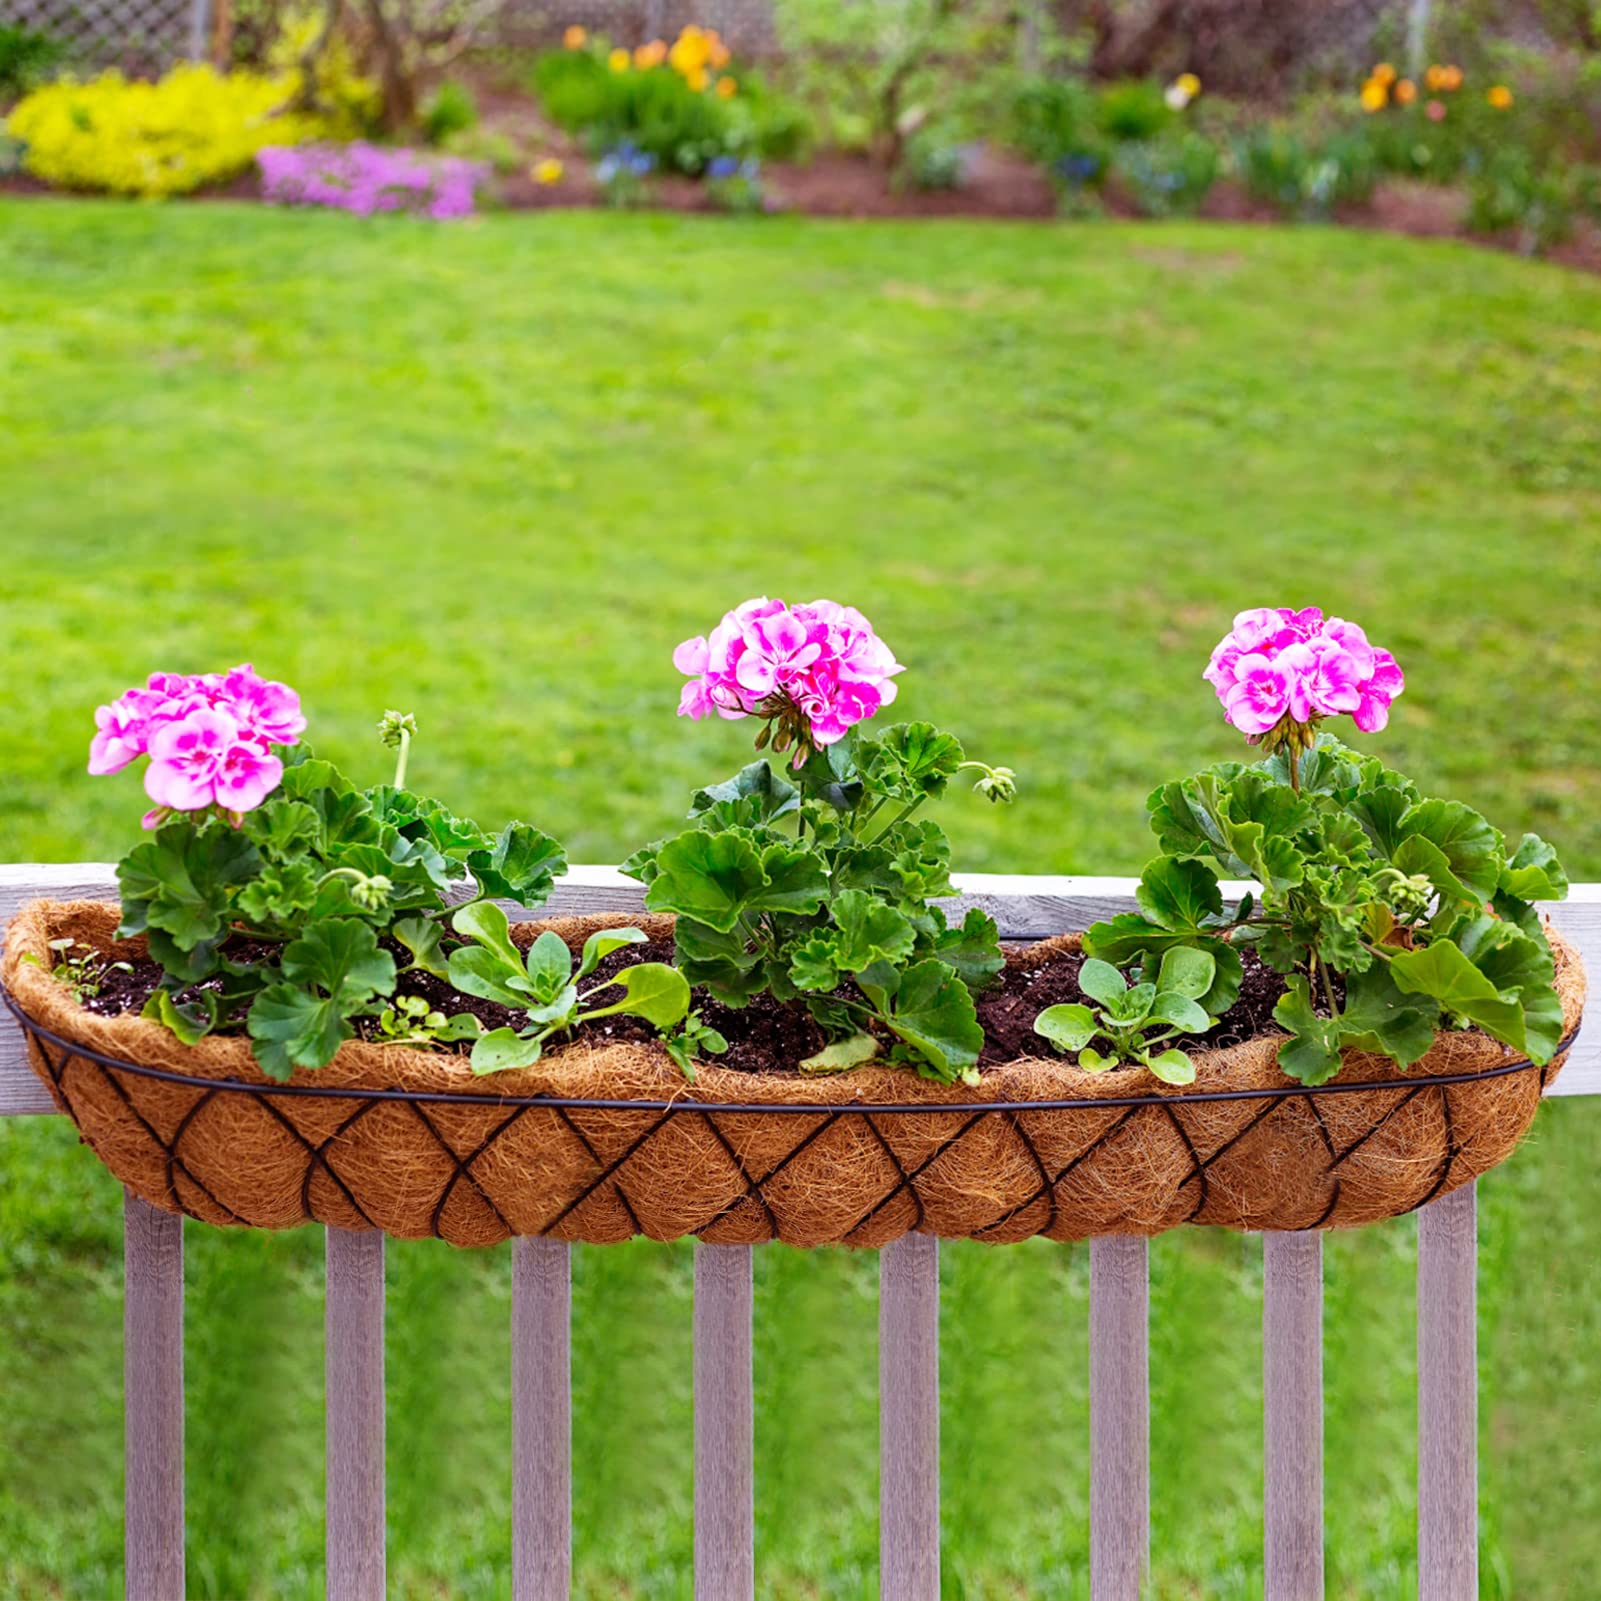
(194, 127)
(350, 102)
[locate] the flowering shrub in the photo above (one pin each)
(194, 127)
(276, 895)
(1391, 914)
(364, 179)
(834, 912)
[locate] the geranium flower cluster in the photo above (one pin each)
(364, 179)
(814, 670)
(209, 737)
(1277, 663)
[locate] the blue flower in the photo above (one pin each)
(722, 167)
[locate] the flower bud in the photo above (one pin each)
(393, 725)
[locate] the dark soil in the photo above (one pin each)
(767, 1036)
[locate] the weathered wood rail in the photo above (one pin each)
(1025, 908)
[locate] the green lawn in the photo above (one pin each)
(493, 473)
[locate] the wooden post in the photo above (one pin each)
(725, 1545)
(541, 1377)
(355, 1415)
(152, 1371)
(1120, 1495)
(1292, 1391)
(908, 1419)
(1448, 1399)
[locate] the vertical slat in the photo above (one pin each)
(355, 1379)
(725, 1561)
(152, 1370)
(1120, 1497)
(199, 28)
(1448, 1400)
(1292, 1387)
(541, 1379)
(908, 1419)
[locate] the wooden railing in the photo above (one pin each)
(1025, 908)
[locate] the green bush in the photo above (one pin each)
(1512, 194)
(1302, 178)
(1053, 118)
(26, 58)
(1168, 177)
(932, 160)
(450, 110)
(1134, 110)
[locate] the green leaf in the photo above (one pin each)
(284, 828)
(1133, 1005)
(279, 893)
(1093, 1062)
(603, 942)
(504, 1048)
(1182, 1012)
(1186, 970)
(1442, 972)
(1534, 873)
(1069, 1027)
(1519, 964)
(189, 1021)
(753, 797)
(869, 931)
(841, 1055)
(1380, 811)
(549, 964)
(462, 1026)
(642, 864)
(485, 922)
(651, 990)
(1172, 1067)
(973, 949)
(557, 1010)
(796, 880)
(1128, 935)
(1471, 847)
(922, 860)
(522, 866)
(292, 1027)
(1179, 894)
(711, 878)
(477, 970)
(909, 761)
(814, 963)
(180, 881)
(421, 936)
(341, 956)
(1312, 1052)
(1379, 1017)
(1102, 982)
(934, 1014)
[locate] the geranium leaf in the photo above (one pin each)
(1312, 1052)
(340, 955)
(842, 1055)
(909, 761)
(181, 881)
(711, 878)
(522, 866)
(1471, 847)
(422, 936)
(795, 880)
(813, 964)
(973, 949)
(869, 931)
(189, 1021)
(1180, 895)
(1379, 1017)
(1534, 873)
(1442, 972)
(290, 1027)
(755, 795)
(934, 1014)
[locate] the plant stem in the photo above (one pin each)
(1294, 759)
(400, 760)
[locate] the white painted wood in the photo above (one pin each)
(152, 1366)
(355, 1415)
(1024, 907)
(1292, 1389)
(1448, 1399)
(541, 1365)
(725, 1505)
(1120, 1495)
(908, 1419)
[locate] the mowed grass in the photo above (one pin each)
(492, 473)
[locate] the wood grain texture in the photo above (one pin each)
(1292, 1387)
(152, 1366)
(1120, 1496)
(1448, 1399)
(725, 1503)
(908, 1419)
(1024, 907)
(355, 1415)
(541, 1372)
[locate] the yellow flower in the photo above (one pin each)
(1189, 83)
(697, 78)
(1434, 78)
(575, 38)
(1500, 97)
(727, 88)
(548, 171)
(1383, 75)
(1405, 92)
(1374, 95)
(690, 51)
(619, 61)
(650, 55)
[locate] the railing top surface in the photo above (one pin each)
(1025, 906)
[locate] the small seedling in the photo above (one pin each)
(691, 1039)
(544, 985)
(1136, 1020)
(80, 967)
(411, 1021)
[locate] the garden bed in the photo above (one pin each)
(599, 1142)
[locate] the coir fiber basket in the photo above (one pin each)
(600, 1144)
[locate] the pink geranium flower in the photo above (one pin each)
(1305, 665)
